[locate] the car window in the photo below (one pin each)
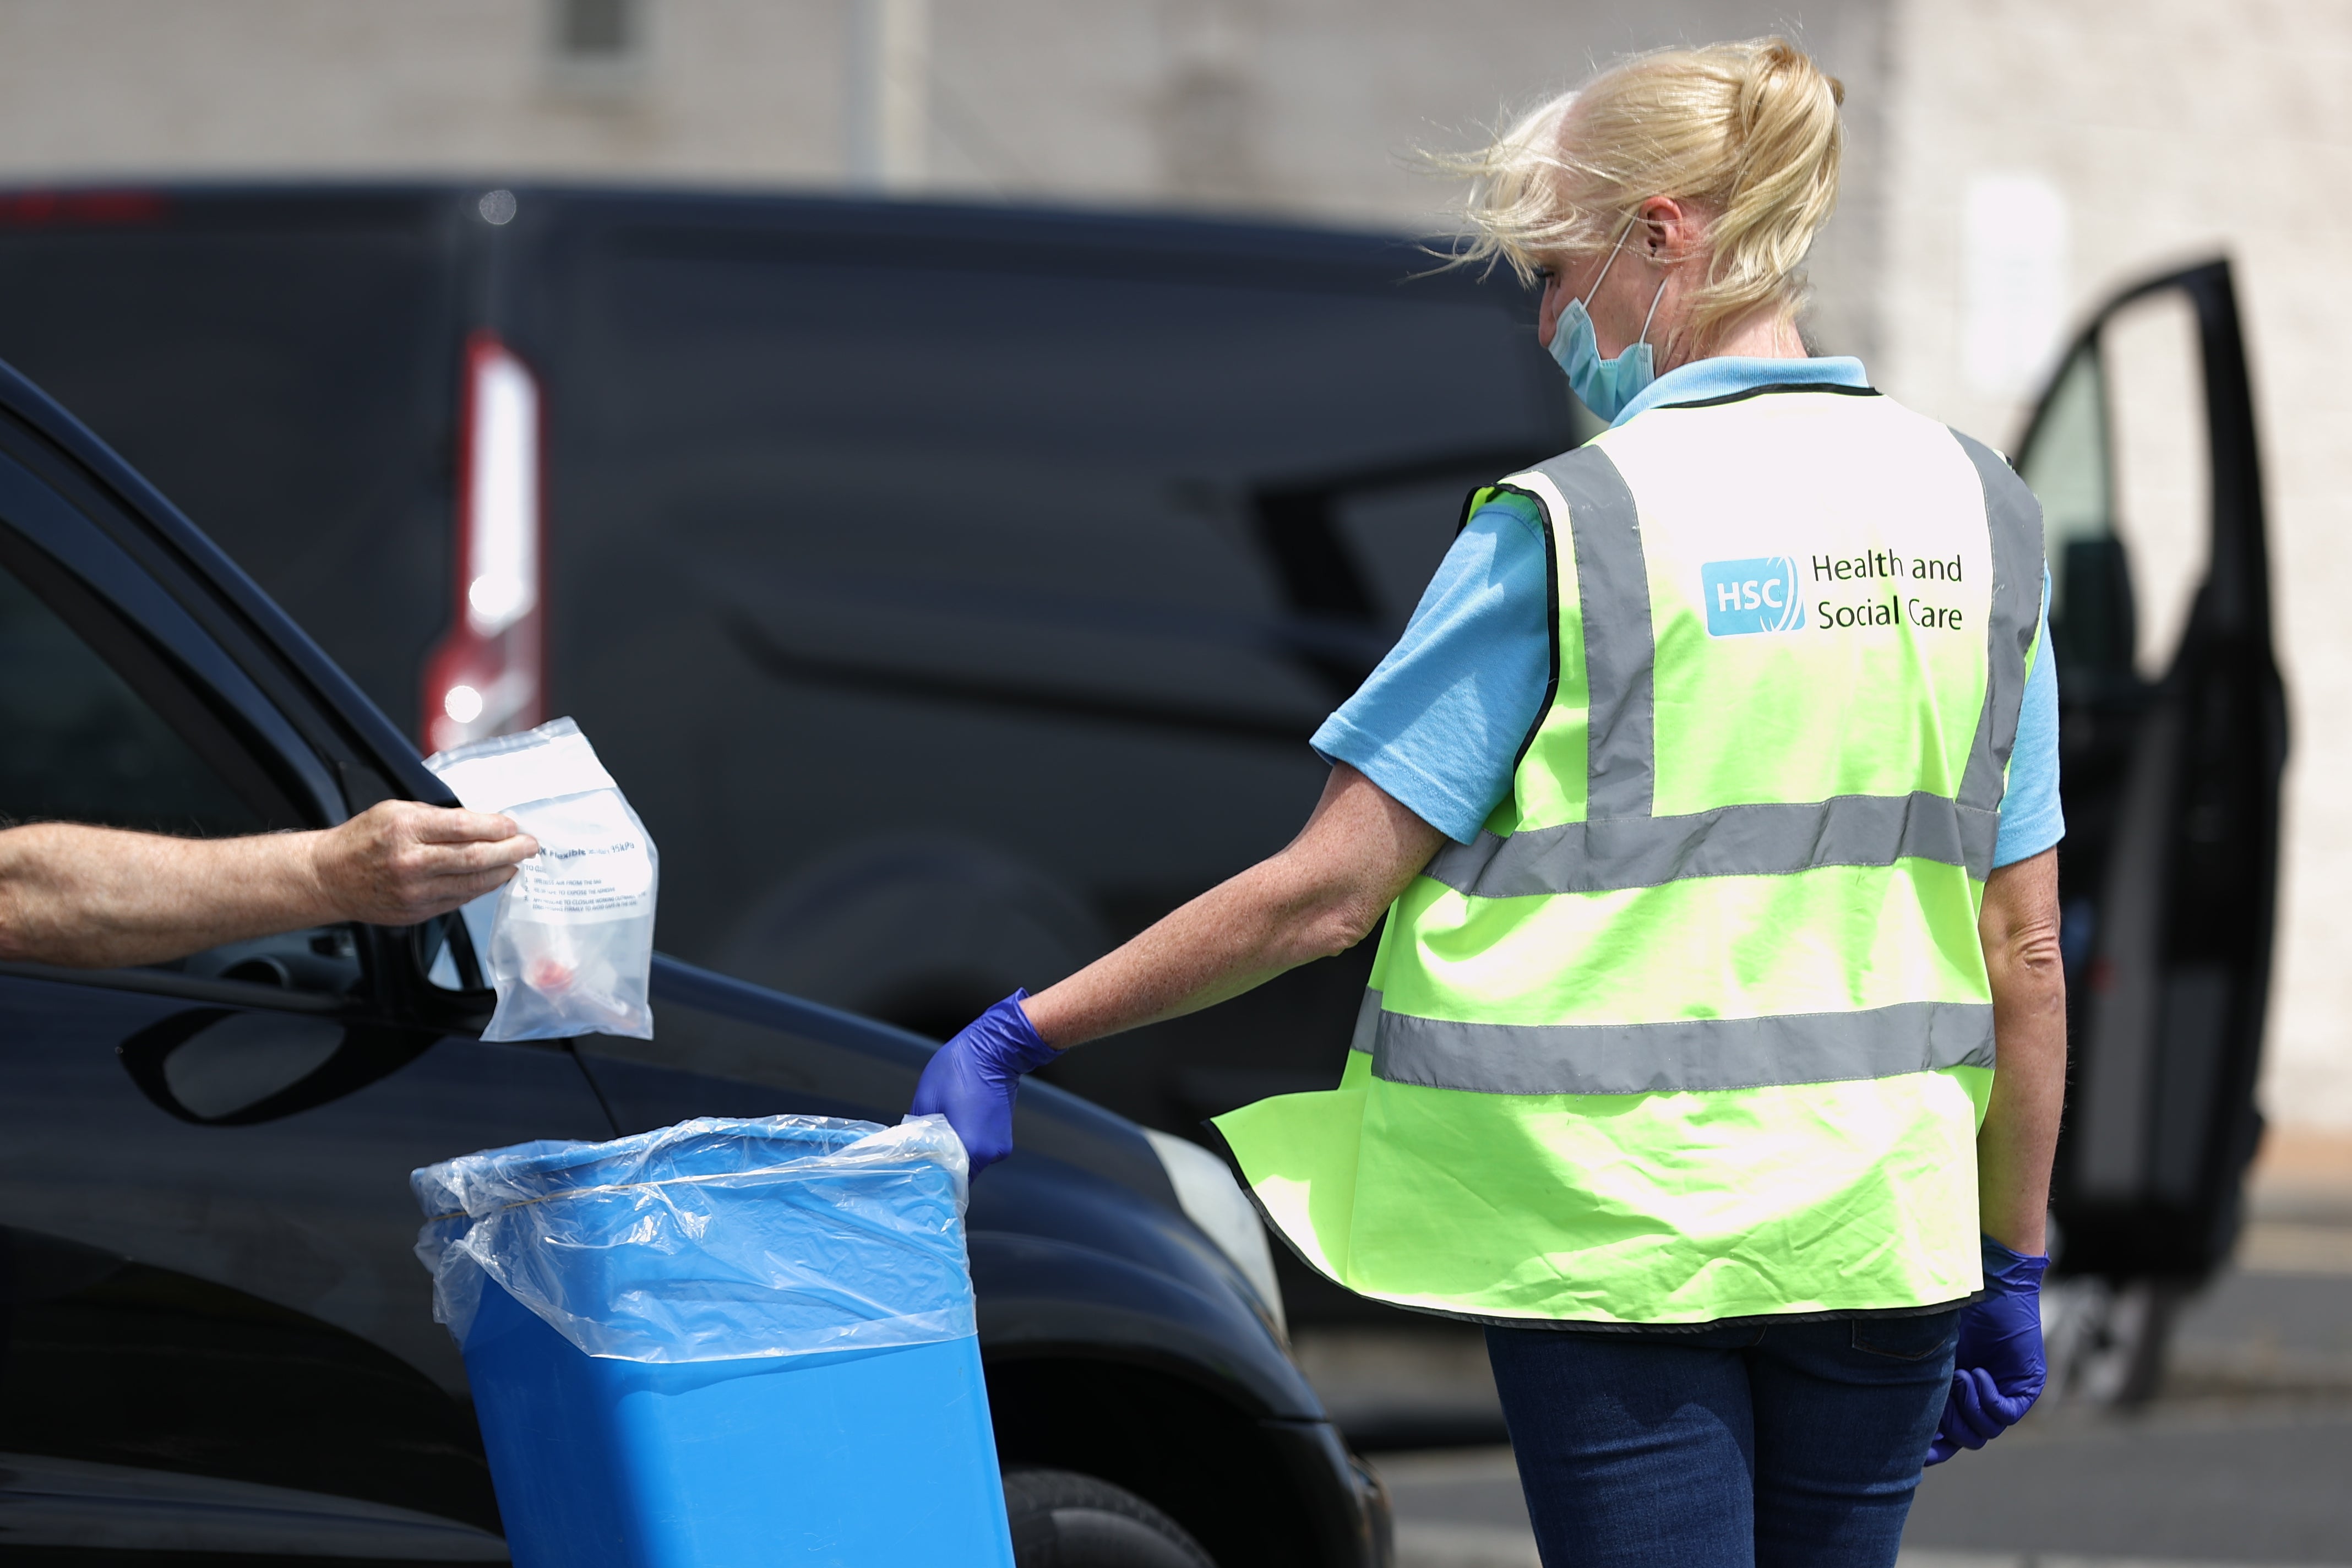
(2068, 465)
(80, 746)
(2163, 478)
(2119, 461)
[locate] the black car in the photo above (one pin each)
(219, 1346)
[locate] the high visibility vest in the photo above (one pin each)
(1699, 1027)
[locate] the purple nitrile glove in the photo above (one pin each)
(1999, 1370)
(974, 1080)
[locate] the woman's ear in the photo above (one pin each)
(1670, 231)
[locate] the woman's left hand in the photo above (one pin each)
(1999, 1369)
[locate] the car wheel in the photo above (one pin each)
(2105, 1341)
(1063, 1519)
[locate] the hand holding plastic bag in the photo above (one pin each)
(570, 949)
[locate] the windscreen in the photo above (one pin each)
(284, 372)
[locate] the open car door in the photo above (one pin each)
(2173, 734)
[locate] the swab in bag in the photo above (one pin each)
(572, 945)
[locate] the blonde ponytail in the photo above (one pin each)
(1750, 132)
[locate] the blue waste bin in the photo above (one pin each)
(728, 1342)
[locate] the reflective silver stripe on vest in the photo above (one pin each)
(1612, 587)
(2015, 519)
(1685, 1053)
(1767, 840)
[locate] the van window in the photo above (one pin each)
(1047, 482)
(284, 371)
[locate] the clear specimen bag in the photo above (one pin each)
(570, 947)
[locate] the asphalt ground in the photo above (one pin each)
(2243, 1457)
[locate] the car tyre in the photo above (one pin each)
(1063, 1519)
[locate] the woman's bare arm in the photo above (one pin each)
(2018, 927)
(1321, 895)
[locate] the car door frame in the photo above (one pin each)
(2119, 1220)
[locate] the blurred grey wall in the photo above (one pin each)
(1291, 108)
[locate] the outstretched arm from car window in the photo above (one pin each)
(2018, 927)
(91, 896)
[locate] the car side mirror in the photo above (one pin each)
(221, 1067)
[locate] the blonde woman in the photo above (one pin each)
(1711, 797)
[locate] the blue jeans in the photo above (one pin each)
(1731, 1447)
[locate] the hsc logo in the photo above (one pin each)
(1745, 596)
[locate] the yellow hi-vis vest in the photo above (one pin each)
(1700, 1028)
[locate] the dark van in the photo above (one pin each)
(954, 589)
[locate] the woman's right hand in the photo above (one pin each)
(975, 1077)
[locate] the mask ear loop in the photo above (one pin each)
(1654, 298)
(1588, 293)
(1654, 311)
(1587, 302)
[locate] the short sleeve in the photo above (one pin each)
(1439, 725)
(2032, 819)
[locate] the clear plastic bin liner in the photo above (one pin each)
(717, 1239)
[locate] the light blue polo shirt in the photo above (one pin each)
(1438, 725)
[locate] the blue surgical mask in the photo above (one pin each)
(1604, 386)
